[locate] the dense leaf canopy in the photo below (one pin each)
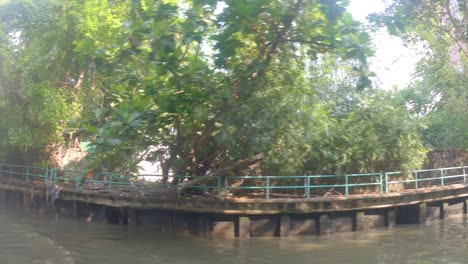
(202, 87)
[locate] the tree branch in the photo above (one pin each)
(224, 171)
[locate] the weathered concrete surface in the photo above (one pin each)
(285, 224)
(370, 219)
(264, 226)
(390, 218)
(244, 218)
(303, 225)
(279, 206)
(224, 228)
(455, 207)
(422, 208)
(335, 223)
(433, 211)
(242, 227)
(257, 206)
(358, 221)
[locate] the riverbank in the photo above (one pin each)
(239, 217)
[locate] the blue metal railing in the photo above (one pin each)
(430, 177)
(25, 172)
(302, 186)
(335, 182)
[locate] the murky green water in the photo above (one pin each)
(26, 238)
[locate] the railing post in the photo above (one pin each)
(111, 178)
(226, 183)
(308, 188)
(267, 187)
(416, 178)
(218, 182)
(54, 176)
(46, 176)
(178, 186)
(27, 175)
(78, 179)
(346, 185)
(464, 175)
(10, 174)
(381, 182)
(442, 177)
(386, 182)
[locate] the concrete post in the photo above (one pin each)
(323, 225)
(422, 213)
(358, 223)
(27, 201)
(132, 218)
(203, 224)
(75, 209)
(465, 206)
(390, 218)
(172, 221)
(444, 208)
(285, 224)
(242, 227)
(123, 216)
(20, 198)
(98, 213)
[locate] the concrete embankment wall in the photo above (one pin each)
(233, 218)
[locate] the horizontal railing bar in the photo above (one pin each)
(393, 173)
(200, 187)
(419, 180)
(364, 184)
(25, 174)
(304, 186)
(453, 176)
(428, 179)
(284, 177)
(428, 170)
(285, 187)
(364, 175)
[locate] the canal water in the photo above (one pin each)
(27, 238)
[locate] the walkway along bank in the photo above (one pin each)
(267, 207)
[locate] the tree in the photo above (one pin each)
(204, 86)
(438, 96)
(212, 111)
(36, 69)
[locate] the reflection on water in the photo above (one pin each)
(26, 239)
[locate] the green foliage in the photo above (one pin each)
(202, 85)
(343, 129)
(438, 96)
(37, 96)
